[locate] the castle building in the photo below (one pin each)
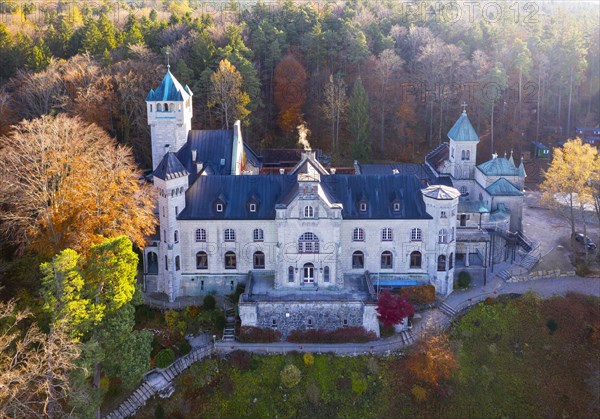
(312, 247)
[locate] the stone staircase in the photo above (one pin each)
(158, 381)
(229, 330)
(528, 261)
(505, 275)
(447, 310)
(407, 336)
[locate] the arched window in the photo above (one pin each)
(468, 155)
(172, 107)
(165, 235)
(326, 274)
(462, 155)
(166, 263)
(443, 236)
(386, 260)
(291, 274)
(150, 107)
(358, 235)
(309, 212)
(200, 235)
(201, 260)
(166, 107)
(386, 234)
(177, 263)
(415, 234)
(258, 235)
(229, 235)
(358, 260)
(463, 190)
(451, 261)
(259, 260)
(230, 261)
(176, 236)
(308, 243)
(441, 263)
(152, 266)
(415, 260)
(159, 107)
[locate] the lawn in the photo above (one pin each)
(515, 357)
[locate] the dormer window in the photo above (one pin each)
(363, 207)
(443, 214)
(252, 207)
(219, 207)
(396, 206)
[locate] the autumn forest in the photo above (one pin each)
(371, 80)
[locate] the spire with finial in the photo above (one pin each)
(511, 159)
(464, 106)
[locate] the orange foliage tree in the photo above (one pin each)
(66, 183)
(432, 360)
(290, 92)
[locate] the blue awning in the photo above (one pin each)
(395, 282)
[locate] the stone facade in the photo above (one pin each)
(313, 234)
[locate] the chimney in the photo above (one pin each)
(395, 171)
(199, 167)
(332, 170)
(194, 155)
(282, 171)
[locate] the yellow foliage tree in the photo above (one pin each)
(569, 181)
(66, 183)
(432, 359)
(226, 93)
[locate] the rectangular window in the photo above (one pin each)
(252, 207)
(219, 207)
(176, 210)
(363, 206)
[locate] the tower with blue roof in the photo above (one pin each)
(169, 109)
(463, 147)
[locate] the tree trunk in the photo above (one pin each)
(431, 126)
(568, 133)
(492, 130)
(537, 125)
(441, 117)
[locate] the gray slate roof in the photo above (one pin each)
(378, 191)
(421, 171)
(169, 90)
(170, 168)
(211, 146)
(463, 130)
(236, 193)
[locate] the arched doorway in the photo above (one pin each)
(308, 273)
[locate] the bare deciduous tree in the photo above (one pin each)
(34, 366)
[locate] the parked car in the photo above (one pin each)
(583, 239)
